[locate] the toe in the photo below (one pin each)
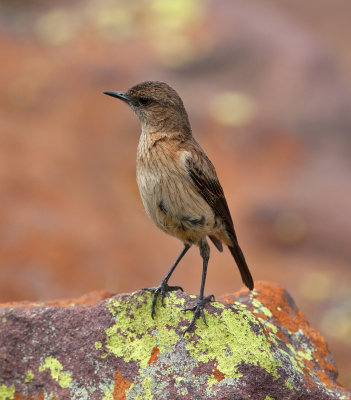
(198, 310)
(163, 298)
(203, 316)
(173, 288)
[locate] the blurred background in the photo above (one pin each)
(267, 84)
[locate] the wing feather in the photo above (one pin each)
(203, 175)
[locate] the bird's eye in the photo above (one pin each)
(144, 101)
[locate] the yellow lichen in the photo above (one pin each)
(230, 340)
(7, 393)
(55, 367)
(135, 341)
(29, 376)
(108, 393)
(98, 345)
(289, 385)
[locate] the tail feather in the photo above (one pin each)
(241, 262)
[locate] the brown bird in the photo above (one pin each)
(178, 184)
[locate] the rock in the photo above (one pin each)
(257, 345)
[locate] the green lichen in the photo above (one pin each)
(307, 354)
(147, 386)
(299, 356)
(292, 359)
(271, 326)
(64, 379)
(7, 393)
(234, 336)
(108, 394)
(131, 387)
(29, 376)
(98, 345)
(133, 335)
(269, 398)
(230, 340)
(289, 385)
(210, 382)
(261, 308)
(3, 319)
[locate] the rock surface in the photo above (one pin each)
(257, 345)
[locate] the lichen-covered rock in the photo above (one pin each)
(257, 345)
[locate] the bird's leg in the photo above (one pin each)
(163, 288)
(198, 309)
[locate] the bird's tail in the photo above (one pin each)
(241, 262)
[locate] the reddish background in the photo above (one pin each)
(71, 217)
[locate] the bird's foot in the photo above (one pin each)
(198, 310)
(162, 289)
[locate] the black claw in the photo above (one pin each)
(162, 289)
(198, 310)
(203, 317)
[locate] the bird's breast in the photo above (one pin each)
(168, 194)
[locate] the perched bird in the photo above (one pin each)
(178, 184)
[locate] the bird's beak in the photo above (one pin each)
(119, 95)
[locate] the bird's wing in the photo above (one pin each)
(203, 174)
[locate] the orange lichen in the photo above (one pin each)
(276, 316)
(308, 378)
(323, 377)
(275, 299)
(121, 385)
(20, 396)
(282, 337)
(260, 315)
(154, 355)
(218, 375)
(227, 299)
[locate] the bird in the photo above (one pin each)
(179, 186)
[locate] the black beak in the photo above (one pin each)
(119, 95)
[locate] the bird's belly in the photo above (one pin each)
(175, 206)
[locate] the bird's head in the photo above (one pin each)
(157, 105)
